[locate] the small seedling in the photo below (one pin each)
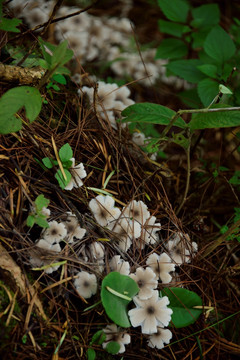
(37, 216)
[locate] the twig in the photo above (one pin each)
(187, 180)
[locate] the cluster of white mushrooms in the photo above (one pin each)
(98, 38)
(131, 226)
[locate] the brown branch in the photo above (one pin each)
(21, 75)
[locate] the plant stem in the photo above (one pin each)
(195, 111)
(187, 180)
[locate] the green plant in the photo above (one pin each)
(9, 25)
(37, 216)
(63, 174)
(215, 54)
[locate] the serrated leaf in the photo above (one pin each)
(115, 306)
(13, 100)
(207, 91)
(209, 70)
(48, 162)
(171, 49)
(151, 113)
(211, 120)
(207, 14)
(61, 181)
(175, 10)
(171, 28)
(112, 347)
(187, 69)
(65, 153)
(182, 302)
(10, 25)
(219, 45)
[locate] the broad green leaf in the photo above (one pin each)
(182, 302)
(91, 354)
(187, 69)
(207, 91)
(235, 179)
(41, 202)
(30, 220)
(209, 70)
(61, 181)
(171, 28)
(115, 306)
(10, 25)
(211, 120)
(171, 49)
(9, 124)
(219, 45)
(23, 96)
(207, 14)
(175, 10)
(151, 113)
(113, 347)
(65, 153)
(225, 90)
(48, 162)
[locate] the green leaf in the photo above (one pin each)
(175, 10)
(211, 120)
(187, 69)
(209, 70)
(171, 49)
(181, 140)
(9, 124)
(208, 14)
(168, 27)
(47, 162)
(235, 179)
(30, 220)
(10, 25)
(98, 338)
(13, 100)
(151, 113)
(41, 202)
(219, 45)
(182, 302)
(41, 221)
(65, 153)
(115, 306)
(61, 181)
(112, 347)
(61, 54)
(199, 37)
(59, 78)
(207, 91)
(225, 90)
(91, 354)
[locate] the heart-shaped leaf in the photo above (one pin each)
(116, 293)
(182, 302)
